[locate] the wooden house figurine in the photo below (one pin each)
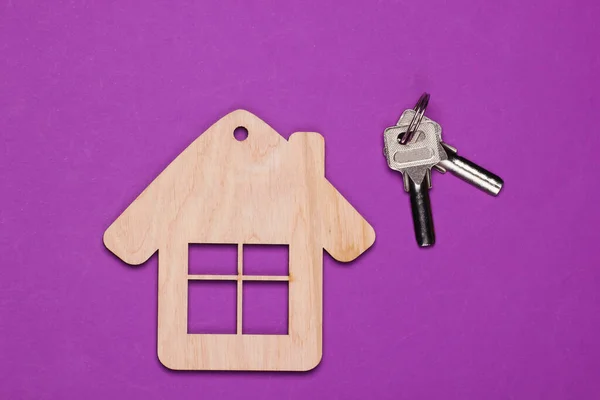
(261, 190)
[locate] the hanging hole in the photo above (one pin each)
(240, 133)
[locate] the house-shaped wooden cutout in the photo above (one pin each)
(262, 190)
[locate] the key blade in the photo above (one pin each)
(470, 172)
(420, 206)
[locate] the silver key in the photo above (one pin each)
(415, 160)
(469, 172)
(413, 146)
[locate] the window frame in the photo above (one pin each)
(240, 278)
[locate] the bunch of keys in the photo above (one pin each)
(414, 146)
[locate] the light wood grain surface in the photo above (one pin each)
(262, 190)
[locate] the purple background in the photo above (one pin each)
(97, 97)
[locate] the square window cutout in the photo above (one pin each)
(265, 308)
(212, 307)
(212, 259)
(267, 259)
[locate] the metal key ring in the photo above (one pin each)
(420, 108)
